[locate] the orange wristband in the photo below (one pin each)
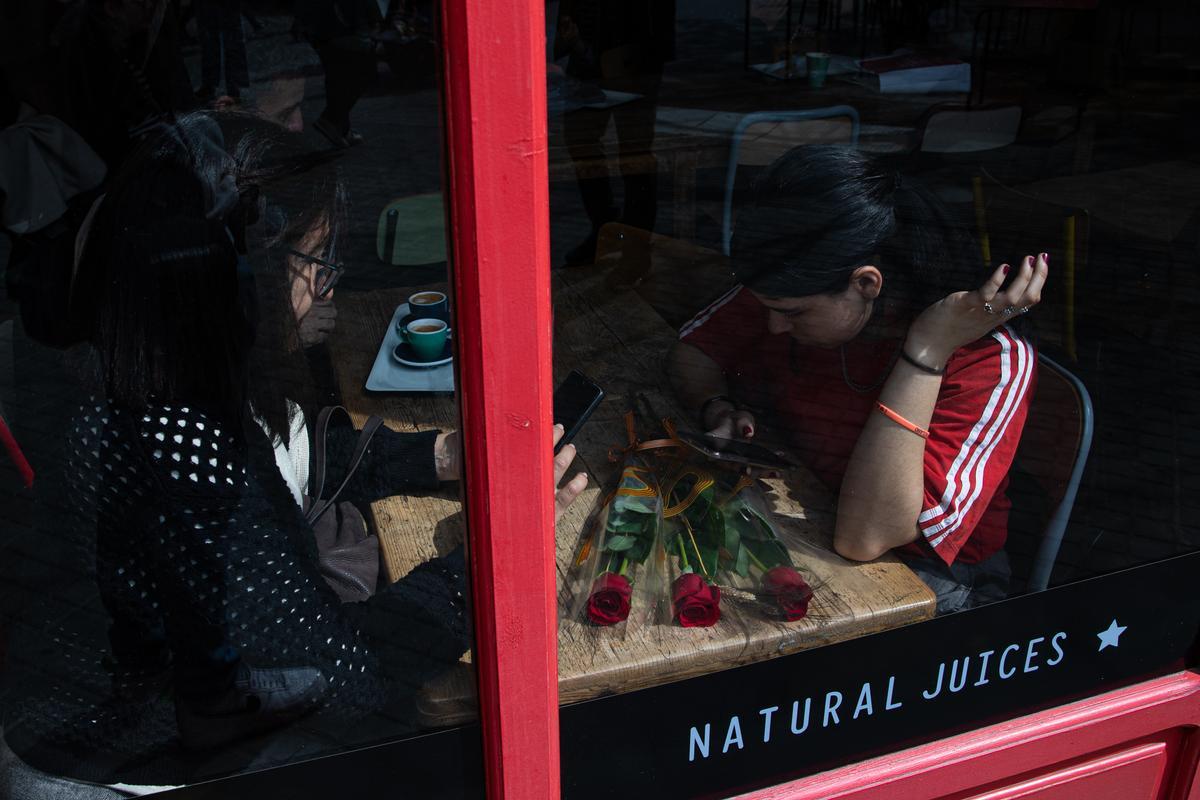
(901, 421)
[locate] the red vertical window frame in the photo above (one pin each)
(495, 92)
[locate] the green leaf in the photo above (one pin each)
(709, 557)
(623, 504)
(618, 543)
(770, 553)
(750, 525)
(638, 551)
(732, 539)
(742, 565)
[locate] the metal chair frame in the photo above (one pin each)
(758, 118)
(1056, 526)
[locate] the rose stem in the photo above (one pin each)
(757, 563)
(683, 553)
(688, 527)
(624, 566)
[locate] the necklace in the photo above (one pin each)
(858, 387)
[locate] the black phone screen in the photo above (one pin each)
(574, 401)
(736, 450)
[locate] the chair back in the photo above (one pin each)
(1010, 224)
(676, 278)
(1054, 451)
(412, 231)
(761, 137)
(957, 129)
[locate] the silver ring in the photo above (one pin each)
(1024, 309)
(1010, 310)
(988, 308)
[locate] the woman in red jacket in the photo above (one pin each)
(905, 392)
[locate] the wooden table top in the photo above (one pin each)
(1155, 201)
(619, 341)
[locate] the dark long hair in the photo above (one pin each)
(820, 211)
(160, 268)
(301, 191)
(190, 287)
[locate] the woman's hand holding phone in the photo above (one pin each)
(564, 497)
(448, 461)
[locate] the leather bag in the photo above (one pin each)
(348, 555)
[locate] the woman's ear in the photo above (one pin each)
(867, 280)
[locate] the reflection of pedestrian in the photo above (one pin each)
(621, 46)
(340, 32)
(119, 72)
(222, 42)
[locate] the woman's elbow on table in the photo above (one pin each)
(860, 545)
(855, 549)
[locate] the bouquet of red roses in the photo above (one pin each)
(613, 555)
(755, 560)
(673, 535)
(691, 543)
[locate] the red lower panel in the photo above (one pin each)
(1136, 743)
(1133, 774)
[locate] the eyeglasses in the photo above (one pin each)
(328, 274)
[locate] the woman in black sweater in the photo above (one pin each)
(203, 558)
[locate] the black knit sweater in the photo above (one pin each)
(202, 555)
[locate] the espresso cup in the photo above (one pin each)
(430, 304)
(427, 337)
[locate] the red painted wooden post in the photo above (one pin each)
(495, 66)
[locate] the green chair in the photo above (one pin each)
(412, 231)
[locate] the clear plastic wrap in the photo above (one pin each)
(616, 574)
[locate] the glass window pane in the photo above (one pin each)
(221, 220)
(890, 309)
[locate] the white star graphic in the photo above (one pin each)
(1111, 636)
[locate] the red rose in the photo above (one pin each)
(789, 590)
(697, 604)
(608, 603)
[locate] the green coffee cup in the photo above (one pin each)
(427, 337)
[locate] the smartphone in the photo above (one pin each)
(737, 451)
(574, 401)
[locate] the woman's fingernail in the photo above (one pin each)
(1046, 257)
(1006, 268)
(747, 430)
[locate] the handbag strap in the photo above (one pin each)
(317, 471)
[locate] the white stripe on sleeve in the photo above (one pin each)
(713, 307)
(967, 472)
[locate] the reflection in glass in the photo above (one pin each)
(931, 261)
(215, 571)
